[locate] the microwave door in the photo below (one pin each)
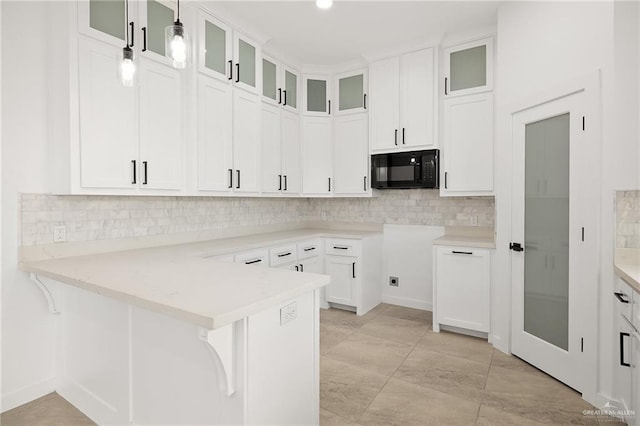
(402, 173)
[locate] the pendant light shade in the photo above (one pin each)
(177, 43)
(127, 67)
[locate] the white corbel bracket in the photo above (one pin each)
(46, 292)
(221, 342)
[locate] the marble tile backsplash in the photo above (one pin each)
(88, 218)
(628, 219)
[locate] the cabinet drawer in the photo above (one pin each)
(256, 257)
(340, 247)
(309, 249)
(282, 254)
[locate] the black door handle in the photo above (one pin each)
(329, 184)
(622, 336)
(516, 247)
(146, 167)
(251, 262)
(133, 181)
(301, 267)
(279, 96)
(238, 179)
(365, 184)
(144, 39)
(230, 70)
(403, 136)
(280, 182)
(461, 252)
(285, 182)
(230, 178)
(284, 92)
(621, 297)
(395, 137)
(353, 269)
(340, 248)
(284, 254)
(132, 25)
(329, 106)
(237, 73)
(445, 180)
(365, 101)
(445, 86)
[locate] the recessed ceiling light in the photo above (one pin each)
(324, 4)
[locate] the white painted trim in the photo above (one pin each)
(408, 302)
(27, 393)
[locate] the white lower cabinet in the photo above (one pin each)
(623, 370)
(254, 257)
(355, 270)
(461, 286)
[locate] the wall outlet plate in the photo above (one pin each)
(59, 234)
(288, 313)
(394, 282)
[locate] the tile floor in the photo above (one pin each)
(389, 368)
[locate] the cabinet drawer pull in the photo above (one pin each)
(340, 248)
(353, 269)
(623, 298)
(251, 262)
(622, 336)
(133, 164)
(146, 168)
(309, 249)
(461, 252)
(284, 254)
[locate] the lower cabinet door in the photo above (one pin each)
(463, 287)
(312, 265)
(341, 289)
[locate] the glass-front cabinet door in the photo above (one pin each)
(271, 90)
(247, 64)
(105, 20)
(154, 17)
(290, 91)
(316, 95)
(351, 92)
(468, 68)
(214, 48)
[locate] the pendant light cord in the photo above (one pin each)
(178, 10)
(126, 16)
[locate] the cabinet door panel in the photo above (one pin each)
(161, 144)
(290, 100)
(468, 145)
(246, 141)
(108, 119)
(417, 103)
(104, 20)
(291, 152)
(316, 155)
(342, 287)
(351, 91)
(351, 147)
(248, 64)
(271, 149)
(215, 142)
(468, 68)
(385, 98)
(270, 80)
(214, 48)
(155, 16)
(316, 93)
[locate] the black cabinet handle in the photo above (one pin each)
(146, 168)
(365, 184)
(329, 184)
(230, 70)
(144, 39)
(251, 262)
(403, 136)
(298, 268)
(353, 269)
(461, 252)
(395, 137)
(285, 182)
(132, 25)
(341, 248)
(301, 267)
(237, 73)
(230, 178)
(284, 92)
(279, 96)
(238, 179)
(284, 254)
(445, 180)
(622, 336)
(621, 297)
(309, 249)
(280, 183)
(445, 86)
(365, 101)
(329, 107)
(133, 164)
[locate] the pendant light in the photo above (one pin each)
(177, 43)
(127, 67)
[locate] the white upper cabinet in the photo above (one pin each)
(317, 101)
(247, 114)
(351, 92)
(247, 63)
(402, 102)
(351, 154)
(317, 156)
(281, 171)
(280, 84)
(215, 42)
(153, 17)
(468, 68)
(467, 167)
(291, 153)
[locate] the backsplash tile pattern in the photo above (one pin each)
(88, 218)
(628, 219)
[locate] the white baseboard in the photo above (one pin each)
(407, 302)
(28, 393)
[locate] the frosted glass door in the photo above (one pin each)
(351, 92)
(270, 81)
(214, 49)
(546, 231)
(290, 90)
(158, 16)
(468, 68)
(104, 20)
(316, 96)
(248, 61)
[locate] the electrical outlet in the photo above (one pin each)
(59, 234)
(394, 281)
(288, 313)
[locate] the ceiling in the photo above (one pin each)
(352, 28)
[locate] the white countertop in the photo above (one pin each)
(627, 266)
(182, 282)
(467, 237)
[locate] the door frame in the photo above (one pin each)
(590, 85)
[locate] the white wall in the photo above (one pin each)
(28, 330)
(541, 44)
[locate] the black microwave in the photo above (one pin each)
(401, 170)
